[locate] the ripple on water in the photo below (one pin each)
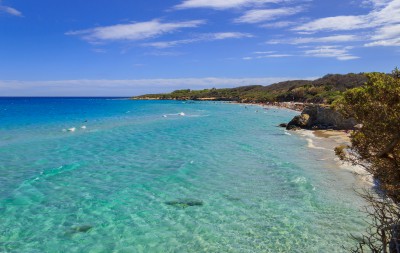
(226, 180)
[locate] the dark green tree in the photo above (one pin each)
(375, 145)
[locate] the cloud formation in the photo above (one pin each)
(222, 4)
(311, 40)
(133, 31)
(257, 16)
(199, 38)
(10, 10)
(340, 53)
(382, 15)
(263, 55)
(383, 19)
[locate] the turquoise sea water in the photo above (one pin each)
(107, 188)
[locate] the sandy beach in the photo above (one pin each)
(328, 140)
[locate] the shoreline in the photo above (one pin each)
(328, 140)
(297, 107)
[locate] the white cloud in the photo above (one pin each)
(222, 4)
(340, 53)
(308, 40)
(133, 31)
(228, 35)
(384, 13)
(10, 10)
(280, 24)
(384, 43)
(335, 24)
(125, 87)
(202, 37)
(167, 44)
(257, 16)
(387, 32)
(267, 54)
(382, 22)
(388, 15)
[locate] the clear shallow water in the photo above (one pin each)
(105, 188)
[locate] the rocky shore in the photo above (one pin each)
(322, 117)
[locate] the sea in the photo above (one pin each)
(120, 175)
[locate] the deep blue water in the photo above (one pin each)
(107, 188)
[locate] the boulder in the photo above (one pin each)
(321, 117)
(300, 121)
(283, 125)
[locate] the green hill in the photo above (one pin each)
(322, 90)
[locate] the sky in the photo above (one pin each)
(132, 47)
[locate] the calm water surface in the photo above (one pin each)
(109, 187)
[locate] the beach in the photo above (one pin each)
(329, 140)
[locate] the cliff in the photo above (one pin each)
(320, 117)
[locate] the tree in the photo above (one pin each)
(375, 145)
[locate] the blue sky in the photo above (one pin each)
(126, 47)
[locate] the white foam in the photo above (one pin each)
(174, 114)
(83, 127)
(358, 170)
(310, 144)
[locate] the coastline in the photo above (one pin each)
(293, 106)
(317, 139)
(329, 139)
(326, 140)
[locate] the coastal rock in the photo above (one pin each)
(283, 125)
(300, 121)
(321, 117)
(184, 203)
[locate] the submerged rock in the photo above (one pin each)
(184, 202)
(283, 125)
(80, 229)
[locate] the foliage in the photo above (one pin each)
(323, 90)
(376, 106)
(375, 145)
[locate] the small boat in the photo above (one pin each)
(83, 127)
(72, 129)
(182, 114)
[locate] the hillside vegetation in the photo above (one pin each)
(322, 90)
